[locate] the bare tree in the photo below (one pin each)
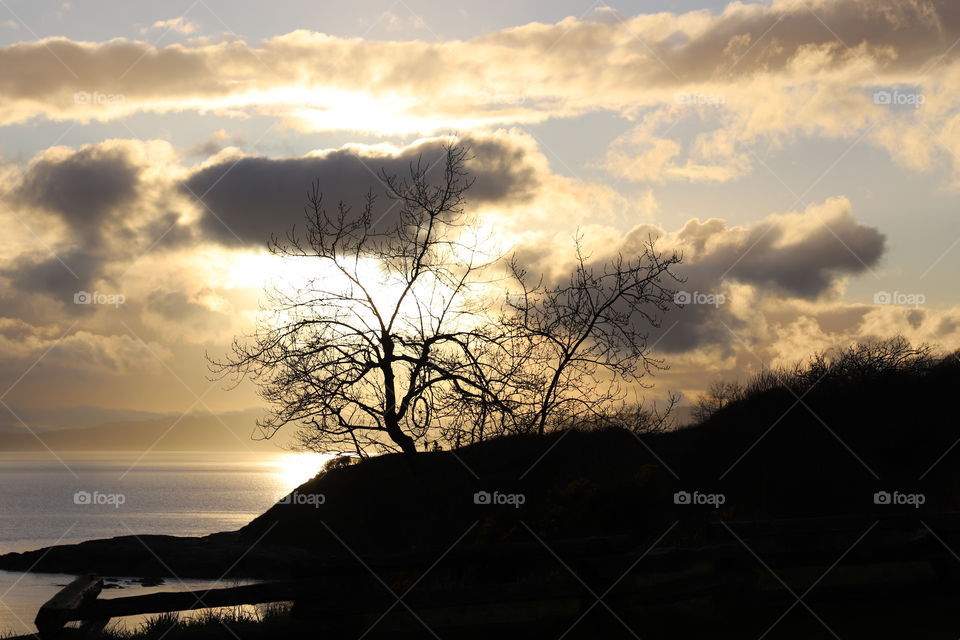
(398, 333)
(719, 395)
(567, 354)
(584, 338)
(356, 354)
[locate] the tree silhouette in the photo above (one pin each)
(398, 333)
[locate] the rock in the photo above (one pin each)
(154, 581)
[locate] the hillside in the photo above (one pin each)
(851, 435)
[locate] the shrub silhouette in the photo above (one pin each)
(845, 367)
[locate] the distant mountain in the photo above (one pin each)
(44, 419)
(194, 432)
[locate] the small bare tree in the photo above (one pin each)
(718, 395)
(567, 353)
(585, 338)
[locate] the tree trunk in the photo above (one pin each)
(391, 421)
(402, 440)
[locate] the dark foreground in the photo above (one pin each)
(834, 516)
(731, 596)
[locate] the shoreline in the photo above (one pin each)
(216, 556)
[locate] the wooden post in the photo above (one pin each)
(67, 605)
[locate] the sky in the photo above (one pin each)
(802, 154)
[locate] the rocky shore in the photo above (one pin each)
(219, 555)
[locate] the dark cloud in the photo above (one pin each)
(114, 205)
(696, 326)
(783, 257)
(794, 256)
(111, 212)
(915, 317)
(947, 326)
(247, 200)
(83, 188)
(749, 38)
(841, 319)
(165, 231)
(807, 267)
(58, 276)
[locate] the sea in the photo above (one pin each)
(63, 498)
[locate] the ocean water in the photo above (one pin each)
(48, 499)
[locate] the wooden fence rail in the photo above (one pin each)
(78, 602)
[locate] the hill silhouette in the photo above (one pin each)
(819, 440)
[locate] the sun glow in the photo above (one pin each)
(293, 469)
(320, 108)
(298, 276)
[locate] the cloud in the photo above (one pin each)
(84, 188)
(99, 206)
(216, 143)
(702, 87)
(119, 215)
(798, 254)
(200, 315)
(248, 198)
(179, 24)
(86, 216)
(642, 155)
(120, 218)
(23, 344)
(766, 293)
(573, 66)
(731, 273)
(792, 330)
